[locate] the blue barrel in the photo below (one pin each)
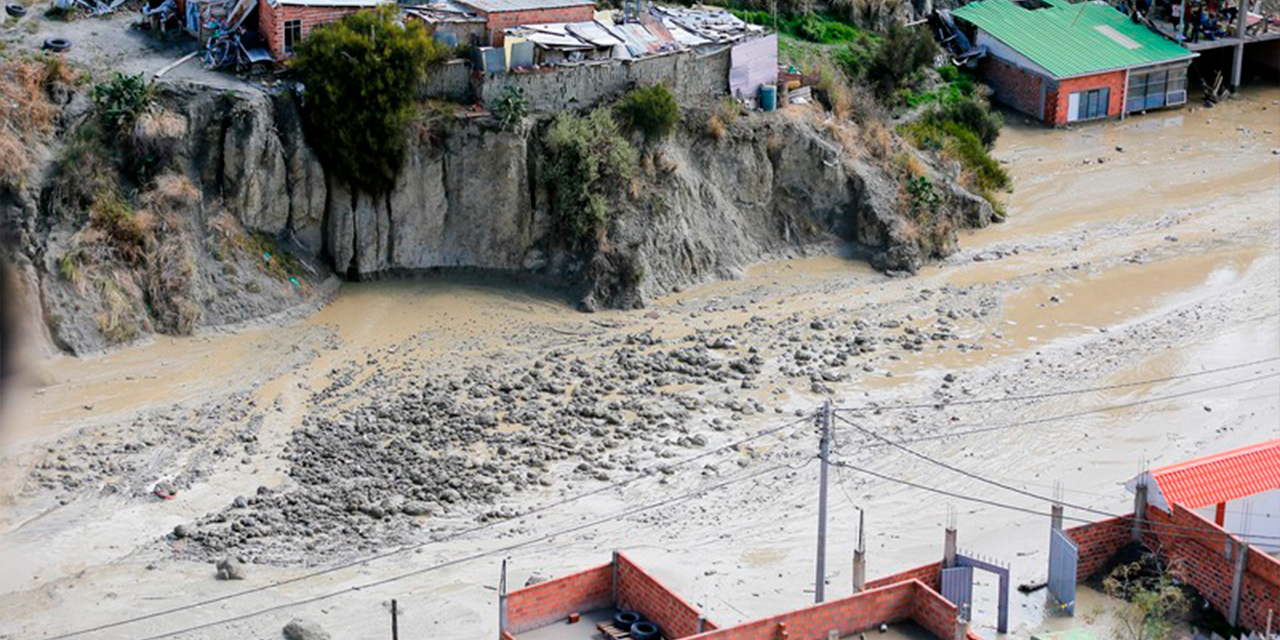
(768, 97)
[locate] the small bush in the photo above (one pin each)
(834, 92)
(120, 100)
(972, 114)
(128, 233)
(588, 164)
(510, 108)
(651, 110)
(360, 74)
(902, 53)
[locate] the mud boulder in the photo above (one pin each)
(299, 629)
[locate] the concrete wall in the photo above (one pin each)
(692, 76)
(449, 81)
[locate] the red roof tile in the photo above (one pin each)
(1222, 476)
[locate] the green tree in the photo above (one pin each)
(903, 52)
(360, 74)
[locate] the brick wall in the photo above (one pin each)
(1058, 99)
(271, 22)
(639, 591)
(1197, 550)
(1097, 542)
(935, 613)
(498, 21)
(929, 574)
(1013, 85)
(887, 604)
(553, 600)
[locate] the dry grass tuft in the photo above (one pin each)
(877, 139)
(26, 113)
(172, 193)
(716, 127)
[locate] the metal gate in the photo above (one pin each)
(1064, 556)
(957, 586)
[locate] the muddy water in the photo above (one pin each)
(1181, 223)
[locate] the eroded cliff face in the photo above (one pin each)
(704, 208)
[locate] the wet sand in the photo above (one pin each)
(1163, 260)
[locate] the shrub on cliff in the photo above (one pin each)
(588, 163)
(360, 74)
(651, 110)
(902, 53)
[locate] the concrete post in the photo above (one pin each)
(615, 577)
(949, 549)
(1242, 21)
(502, 601)
(1139, 508)
(1055, 518)
(962, 624)
(860, 559)
(1237, 581)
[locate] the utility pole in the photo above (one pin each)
(824, 452)
(395, 625)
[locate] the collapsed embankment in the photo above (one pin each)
(236, 217)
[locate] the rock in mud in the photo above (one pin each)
(299, 629)
(231, 569)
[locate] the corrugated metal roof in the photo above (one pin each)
(498, 6)
(1221, 477)
(1070, 40)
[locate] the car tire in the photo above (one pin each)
(624, 619)
(15, 10)
(645, 630)
(57, 45)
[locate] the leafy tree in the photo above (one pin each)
(652, 110)
(1152, 603)
(360, 74)
(902, 53)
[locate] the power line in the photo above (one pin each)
(1055, 394)
(1087, 412)
(980, 478)
(1014, 507)
(411, 547)
(470, 558)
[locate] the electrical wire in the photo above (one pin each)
(1087, 412)
(1055, 394)
(411, 547)
(465, 559)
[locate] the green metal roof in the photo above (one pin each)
(1072, 39)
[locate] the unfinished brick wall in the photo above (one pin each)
(639, 591)
(498, 21)
(1098, 541)
(888, 604)
(929, 574)
(1057, 102)
(271, 22)
(1198, 550)
(553, 600)
(1013, 85)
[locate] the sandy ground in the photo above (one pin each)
(1160, 260)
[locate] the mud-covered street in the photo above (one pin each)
(432, 414)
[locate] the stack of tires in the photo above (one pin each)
(637, 626)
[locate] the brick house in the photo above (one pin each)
(284, 23)
(1062, 63)
(500, 15)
